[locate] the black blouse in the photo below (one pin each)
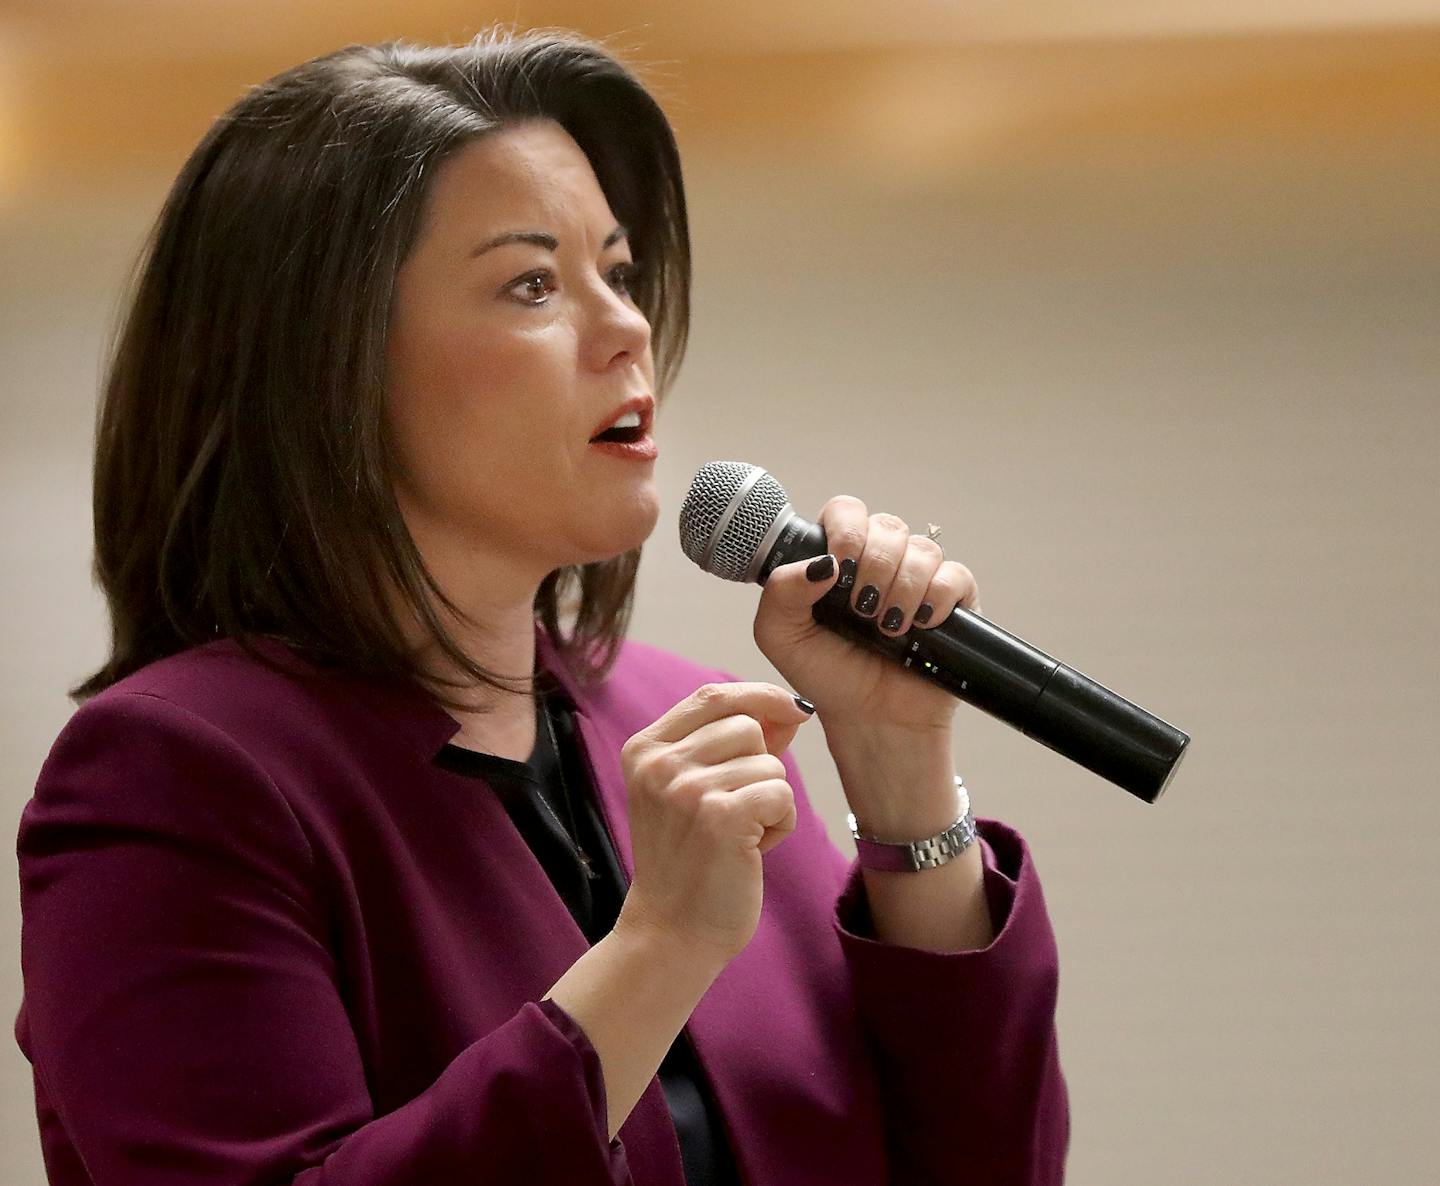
(594, 901)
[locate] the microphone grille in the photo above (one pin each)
(728, 511)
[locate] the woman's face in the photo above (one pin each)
(503, 362)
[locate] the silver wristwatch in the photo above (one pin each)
(910, 856)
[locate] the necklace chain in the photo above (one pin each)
(572, 833)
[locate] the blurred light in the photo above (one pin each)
(13, 156)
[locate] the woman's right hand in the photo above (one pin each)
(708, 797)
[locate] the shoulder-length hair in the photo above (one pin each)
(242, 471)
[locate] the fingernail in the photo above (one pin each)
(847, 574)
(922, 615)
(805, 705)
(820, 568)
(893, 617)
(869, 599)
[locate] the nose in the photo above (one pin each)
(620, 332)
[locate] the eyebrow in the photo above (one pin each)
(541, 239)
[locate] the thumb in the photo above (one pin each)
(780, 733)
(791, 589)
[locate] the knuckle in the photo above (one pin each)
(663, 766)
(882, 556)
(782, 792)
(888, 522)
(713, 815)
(951, 575)
(845, 502)
(752, 732)
(709, 693)
(634, 748)
(927, 546)
(910, 582)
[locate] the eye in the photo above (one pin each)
(624, 277)
(534, 284)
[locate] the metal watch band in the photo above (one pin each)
(910, 856)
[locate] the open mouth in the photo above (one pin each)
(623, 436)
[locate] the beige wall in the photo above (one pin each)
(1160, 355)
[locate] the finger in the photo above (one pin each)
(846, 521)
(885, 547)
(767, 703)
(733, 773)
(791, 589)
(769, 810)
(720, 741)
(923, 558)
(953, 584)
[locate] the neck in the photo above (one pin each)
(498, 598)
(494, 721)
(503, 643)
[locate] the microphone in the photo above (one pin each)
(737, 523)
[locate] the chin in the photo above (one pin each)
(625, 531)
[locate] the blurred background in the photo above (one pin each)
(1138, 301)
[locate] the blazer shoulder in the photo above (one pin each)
(150, 768)
(206, 677)
(259, 707)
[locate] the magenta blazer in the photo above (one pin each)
(267, 940)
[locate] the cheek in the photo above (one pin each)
(465, 409)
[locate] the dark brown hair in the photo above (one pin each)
(242, 470)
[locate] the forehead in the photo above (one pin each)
(532, 175)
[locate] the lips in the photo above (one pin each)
(642, 404)
(642, 449)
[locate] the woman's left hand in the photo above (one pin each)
(855, 689)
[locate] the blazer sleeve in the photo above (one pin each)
(182, 1013)
(965, 1043)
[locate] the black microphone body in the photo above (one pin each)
(1000, 674)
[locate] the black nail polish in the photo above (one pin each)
(893, 616)
(922, 615)
(820, 568)
(804, 704)
(847, 574)
(869, 599)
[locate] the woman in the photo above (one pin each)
(375, 853)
